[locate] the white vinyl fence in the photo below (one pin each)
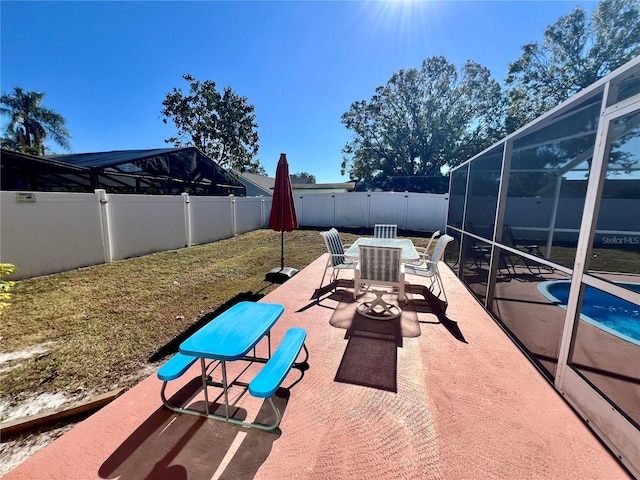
(410, 211)
(46, 232)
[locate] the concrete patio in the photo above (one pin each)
(453, 398)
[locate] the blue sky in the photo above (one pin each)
(107, 66)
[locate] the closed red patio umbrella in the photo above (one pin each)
(282, 218)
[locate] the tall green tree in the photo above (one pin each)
(420, 121)
(302, 177)
(221, 125)
(30, 123)
(576, 51)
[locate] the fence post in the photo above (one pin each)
(262, 216)
(405, 214)
(187, 218)
(333, 209)
(232, 201)
(445, 212)
(105, 224)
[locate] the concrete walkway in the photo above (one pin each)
(454, 400)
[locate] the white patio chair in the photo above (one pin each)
(424, 253)
(385, 231)
(430, 269)
(379, 267)
(336, 261)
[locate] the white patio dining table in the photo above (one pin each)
(409, 252)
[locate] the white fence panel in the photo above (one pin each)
(622, 214)
(351, 209)
(411, 211)
(248, 214)
(211, 219)
(532, 212)
(266, 210)
(387, 208)
(315, 210)
(531, 218)
(426, 212)
(142, 224)
(54, 233)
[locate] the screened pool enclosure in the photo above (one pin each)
(547, 229)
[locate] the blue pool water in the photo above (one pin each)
(605, 311)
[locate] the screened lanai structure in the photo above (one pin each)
(155, 171)
(547, 223)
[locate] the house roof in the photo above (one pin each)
(323, 186)
(260, 181)
(266, 183)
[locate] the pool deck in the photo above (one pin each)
(467, 404)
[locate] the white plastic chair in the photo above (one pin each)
(379, 266)
(430, 268)
(337, 261)
(385, 231)
(424, 253)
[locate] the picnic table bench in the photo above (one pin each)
(230, 337)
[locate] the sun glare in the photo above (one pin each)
(406, 18)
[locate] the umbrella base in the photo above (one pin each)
(280, 275)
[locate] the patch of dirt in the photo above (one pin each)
(17, 448)
(46, 401)
(22, 354)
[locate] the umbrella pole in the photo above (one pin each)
(281, 249)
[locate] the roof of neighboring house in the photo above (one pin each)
(259, 181)
(323, 186)
(267, 183)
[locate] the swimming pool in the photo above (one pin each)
(605, 311)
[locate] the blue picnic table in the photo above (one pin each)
(232, 336)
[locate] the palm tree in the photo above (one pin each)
(31, 123)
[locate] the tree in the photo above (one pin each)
(30, 123)
(302, 177)
(222, 126)
(575, 53)
(421, 121)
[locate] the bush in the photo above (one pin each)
(5, 285)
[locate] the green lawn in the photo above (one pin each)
(103, 323)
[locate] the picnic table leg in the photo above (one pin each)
(269, 341)
(204, 385)
(226, 390)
